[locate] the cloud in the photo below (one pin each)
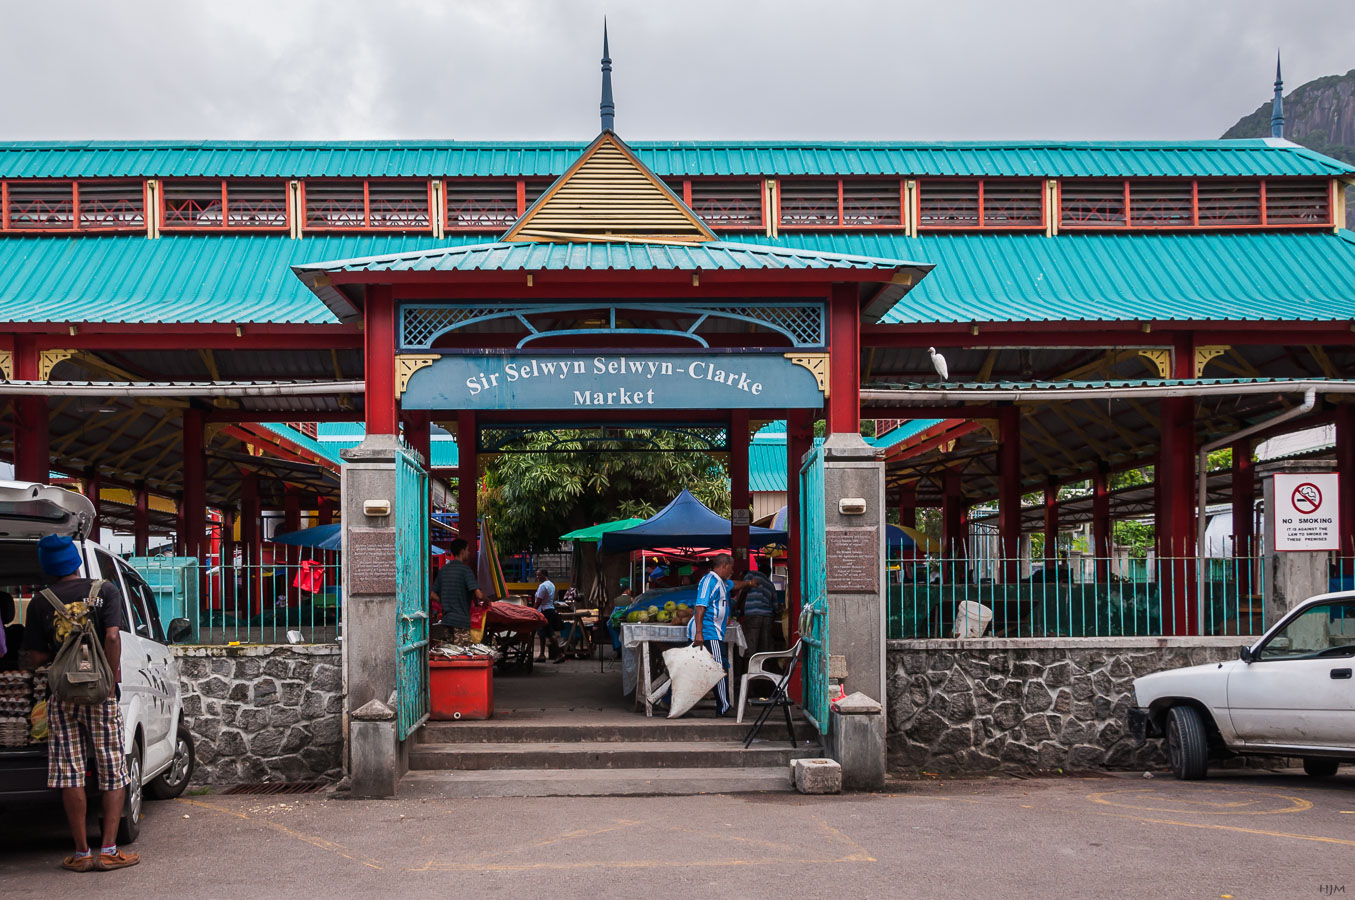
(519, 69)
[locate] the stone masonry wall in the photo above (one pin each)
(1038, 704)
(263, 713)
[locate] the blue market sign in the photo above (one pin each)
(613, 381)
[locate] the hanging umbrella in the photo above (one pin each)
(488, 569)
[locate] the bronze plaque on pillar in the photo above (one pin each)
(853, 560)
(371, 560)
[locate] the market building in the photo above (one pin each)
(179, 320)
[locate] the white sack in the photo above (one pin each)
(693, 672)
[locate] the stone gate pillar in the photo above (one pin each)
(854, 518)
(370, 614)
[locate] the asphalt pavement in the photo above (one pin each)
(1237, 835)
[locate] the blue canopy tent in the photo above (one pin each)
(686, 522)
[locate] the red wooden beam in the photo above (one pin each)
(909, 450)
(930, 412)
(379, 362)
(149, 336)
(1009, 491)
(844, 361)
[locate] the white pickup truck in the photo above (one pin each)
(159, 746)
(1290, 694)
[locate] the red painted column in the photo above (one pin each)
(844, 361)
(1345, 467)
(324, 511)
(92, 491)
(908, 505)
(468, 480)
(249, 536)
(228, 569)
(291, 521)
(799, 440)
(952, 516)
(194, 508)
(141, 522)
(1051, 522)
(1175, 474)
(739, 496)
(1244, 514)
(1101, 525)
(1009, 491)
(379, 361)
(32, 441)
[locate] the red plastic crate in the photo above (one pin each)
(461, 686)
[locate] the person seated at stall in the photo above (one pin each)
(11, 636)
(545, 603)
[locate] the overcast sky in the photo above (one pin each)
(739, 69)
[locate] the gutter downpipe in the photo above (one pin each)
(1202, 467)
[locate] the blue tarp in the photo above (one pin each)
(688, 523)
(321, 537)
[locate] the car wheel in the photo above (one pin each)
(171, 782)
(1320, 768)
(1187, 744)
(130, 826)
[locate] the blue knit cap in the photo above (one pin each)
(58, 555)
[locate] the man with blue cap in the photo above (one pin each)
(74, 725)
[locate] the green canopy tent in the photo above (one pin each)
(597, 594)
(595, 532)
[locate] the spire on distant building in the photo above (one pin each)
(1277, 107)
(607, 107)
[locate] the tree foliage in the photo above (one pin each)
(572, 480)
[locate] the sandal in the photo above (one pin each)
(76, 863)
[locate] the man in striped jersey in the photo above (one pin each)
(709, 618)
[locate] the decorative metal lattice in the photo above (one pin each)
(631, 439)
(801, 322)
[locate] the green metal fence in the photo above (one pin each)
(1090, 598)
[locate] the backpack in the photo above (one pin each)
(80, 673)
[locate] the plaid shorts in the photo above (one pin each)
(73, 728)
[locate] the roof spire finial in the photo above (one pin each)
(607, 107)
(1277, 106)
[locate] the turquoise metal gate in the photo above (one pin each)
(814, 590)
(411, 591)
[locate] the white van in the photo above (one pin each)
(158, 745)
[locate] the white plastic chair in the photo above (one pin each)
(757, 670)
(971, 619)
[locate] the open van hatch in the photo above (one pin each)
(29, 511)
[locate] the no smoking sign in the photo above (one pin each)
(1306, 515)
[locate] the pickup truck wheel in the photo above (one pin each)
(1187, 744)
(1320, 768)
(130, 826)
(171, 782)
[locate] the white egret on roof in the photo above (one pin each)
(939, 363)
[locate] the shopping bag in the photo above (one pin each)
(477, 623)
(693, 672)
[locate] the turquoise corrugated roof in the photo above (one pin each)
(179, 278)
(593, 256)
(323, 450)
(903, 432)
(300, 159)
(767, 452)
(336, 436)
(1230, 276)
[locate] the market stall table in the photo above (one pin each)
(511, 628)
(635, 657)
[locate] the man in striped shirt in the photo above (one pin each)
(709, 618)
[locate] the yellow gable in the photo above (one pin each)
(609, 195)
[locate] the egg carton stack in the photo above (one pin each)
(16, 702)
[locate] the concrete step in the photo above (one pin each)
(575, 755)
(633, 728)
(595, 783)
